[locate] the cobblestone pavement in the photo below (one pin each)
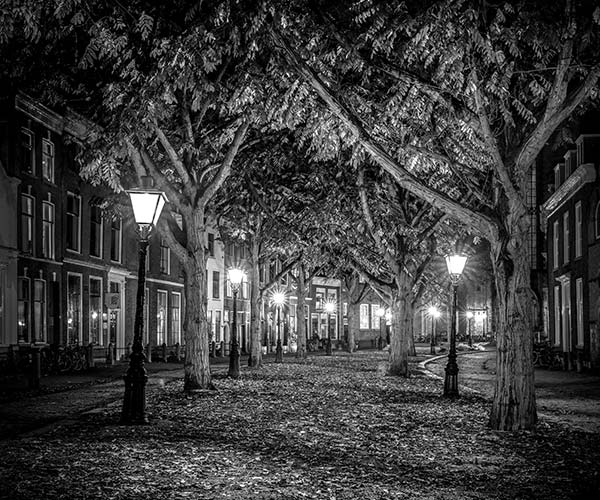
(569, 397)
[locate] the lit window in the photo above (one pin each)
(48, 160)
(23, 305)
(176, 317)
(96, 310)
(374, 317)
(73, 222)
(74, 332)
(364, 316)
(48, 230)
(27, 203)
(39, 310)
(161, 317)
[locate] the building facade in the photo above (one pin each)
(570, 219)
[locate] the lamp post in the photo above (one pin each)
(147, 205)
(470, 334)
(236, 276)
(380, 313)
(278, 298)
(456, 264)
(434, 314)
(329, 308)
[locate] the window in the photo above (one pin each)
(216, 277)
(39, 310)
(95, 310)
(556, 177)
(555, 237)
(73, 222)
(556, 315)
(578, 230)
(165, 257)
(217, 326)
(364, 316)
(211, 244)
(27, 151)
(3, 329)
(23, 305)
(95, 231)
(161, 317)
(27, 213)
(48, 160)
(176, 317)
(74, 332)
(579, 305)
(566, 316)
(48, 230)
(374, 317)
(598, 220)
(146, 334)
(566, 237)
(115, 240)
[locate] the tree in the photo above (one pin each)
(455, 101)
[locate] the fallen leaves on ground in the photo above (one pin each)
(329, 428)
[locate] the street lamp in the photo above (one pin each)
(434, 313)
(147, 205)
(380, 313)
(329, 308)
(469, 320)
(236, 276)
(456, 264)
(278, 298)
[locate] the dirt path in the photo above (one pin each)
(568, 397)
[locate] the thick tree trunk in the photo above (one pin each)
(255, 358)
(301, 316)
(195, 325)
(412, 350)
(353, 323)
(514, 407)
(398, 360)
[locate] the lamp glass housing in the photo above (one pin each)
(147, 205)
(456, 264)
(236, 276)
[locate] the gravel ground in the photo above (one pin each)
(569, 398)
(331, 428)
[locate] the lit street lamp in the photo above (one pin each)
(469, 320)
(456, 264)
(236, 276)
(380, 313)
(329, 308)
(278, 298)
(147, 205)
(434, 314)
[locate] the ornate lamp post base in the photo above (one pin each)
(278, 352)
(451, 379)
(134, 399)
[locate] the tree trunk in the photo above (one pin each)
(514, 407)
(301, 316)
(398, 360)
(255, 358)
(412, 350)
(353, 319)
(195, 325)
